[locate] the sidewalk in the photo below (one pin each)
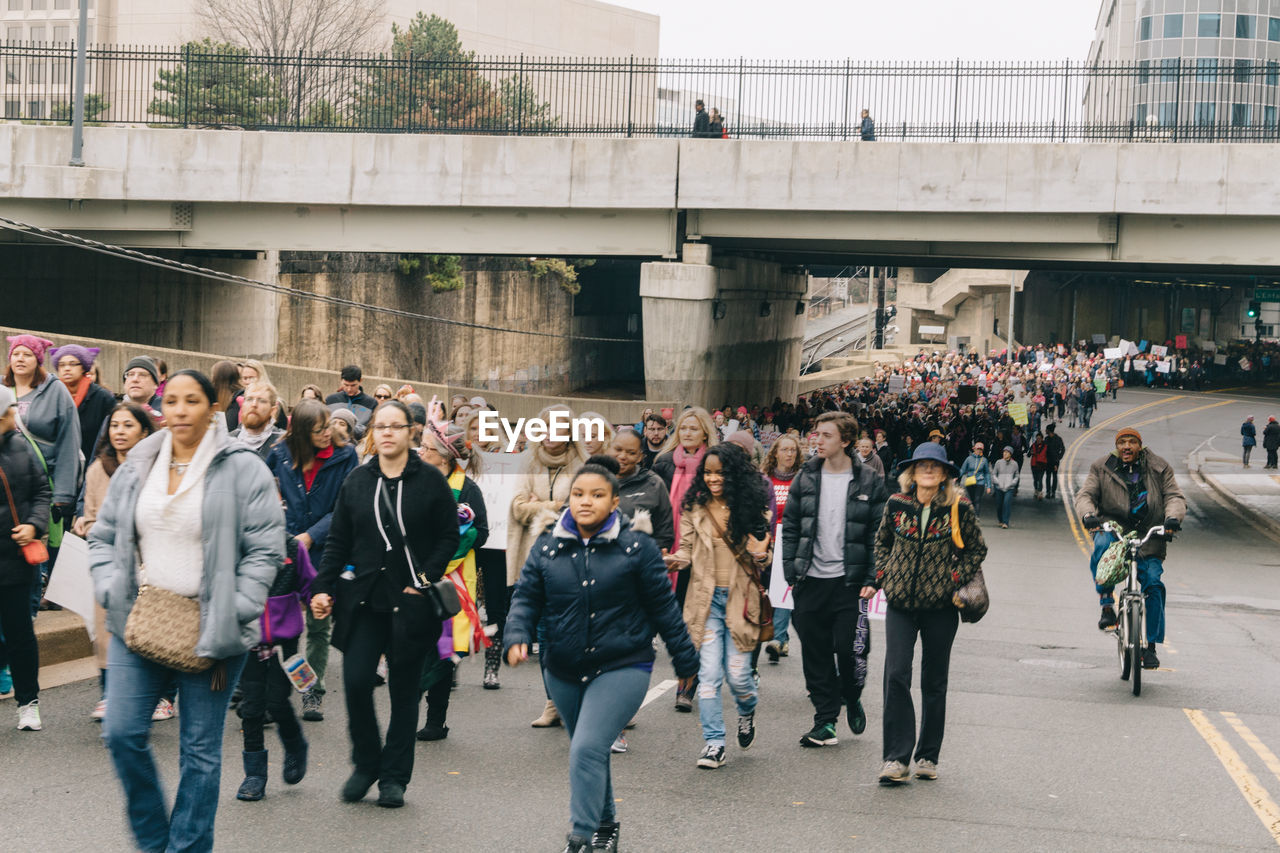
(1253, 491)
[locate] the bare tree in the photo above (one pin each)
(285, 27)
(292, 29)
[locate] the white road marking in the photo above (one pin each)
(655, 692)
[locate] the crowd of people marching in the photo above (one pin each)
(270, 530)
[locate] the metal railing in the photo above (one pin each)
(202, 85)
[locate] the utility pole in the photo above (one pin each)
(880, 313)
(1008, 333)
(77, 119)
(871, 277)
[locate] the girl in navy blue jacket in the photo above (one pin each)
(310, 469)
(603, 592)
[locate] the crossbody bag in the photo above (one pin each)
(748, 564)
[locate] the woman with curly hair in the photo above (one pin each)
(724, 543)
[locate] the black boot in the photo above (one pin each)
(574, 844)
(295, 760)
(254, 786)
(492, 661)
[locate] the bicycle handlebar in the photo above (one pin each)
(1158, 530)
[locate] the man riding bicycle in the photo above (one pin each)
(1135, 489)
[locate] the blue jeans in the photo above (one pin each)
(1004, 505)
(133, 689)
(781, 621)
(594, 715)
(721, 660)
(1150, 571)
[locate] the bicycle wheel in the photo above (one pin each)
(1135, 647)
(1122, 638)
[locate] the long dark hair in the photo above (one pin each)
(743, 491)
(306, 415)
(226, 379)
(104, 452)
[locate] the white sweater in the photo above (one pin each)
(169, 526)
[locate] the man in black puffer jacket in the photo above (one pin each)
(828, 539)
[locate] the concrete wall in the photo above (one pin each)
(690, 355)
(96, 296)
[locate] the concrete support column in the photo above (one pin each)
(749, 354)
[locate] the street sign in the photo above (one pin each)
(1267, 294)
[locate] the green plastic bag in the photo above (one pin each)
(1113, 566)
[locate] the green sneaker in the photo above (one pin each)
(822, 734)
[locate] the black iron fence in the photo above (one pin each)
(221, 86)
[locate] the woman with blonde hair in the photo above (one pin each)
(593, 443)
(541, 494)
(691, 434)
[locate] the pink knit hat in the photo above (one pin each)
(38, 346)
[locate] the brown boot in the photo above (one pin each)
(550, 717)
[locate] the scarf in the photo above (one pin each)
(254, 440)
(1134, 475)
(686, 469)
(83, 391)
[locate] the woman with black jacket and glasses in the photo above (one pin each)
(602, 590)
(396, 526)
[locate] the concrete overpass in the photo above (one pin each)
(1140, 205)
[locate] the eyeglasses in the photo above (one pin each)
(390, 428)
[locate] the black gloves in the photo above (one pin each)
(1091, 522)
(1172, 525)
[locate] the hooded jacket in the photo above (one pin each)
(31, 495)
(644, 494)
(242, 528)
(600, 601)
(1106, 495)
(54, 423)
(863, 509)
(311, 512)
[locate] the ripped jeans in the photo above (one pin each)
(720, 661)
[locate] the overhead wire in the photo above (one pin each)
(64, 238)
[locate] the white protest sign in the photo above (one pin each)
(1139, 364)
(70, 584)
(1112, 353)
(1163, 366)
(779, 589)
(1159, 351)
(1219, 359)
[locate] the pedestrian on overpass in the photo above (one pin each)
(191, 514)
(593, 578)
(920, 567)
(1271, 441)
(24, 515)
(1249, 438)
(828, 540)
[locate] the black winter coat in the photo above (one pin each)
(601, 604)
(1271, 436)
(664, 465)
(864, 508)
(32, 496)
(94, 411)
(430, 518)
(645, 490)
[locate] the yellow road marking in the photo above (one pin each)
(1268, 757)
(1068, 462)
(1254, 794)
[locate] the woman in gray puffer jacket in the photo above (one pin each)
(203, 514)
(1004, 477)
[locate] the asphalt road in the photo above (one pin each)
(1046, 748)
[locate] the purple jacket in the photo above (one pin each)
(282, 617)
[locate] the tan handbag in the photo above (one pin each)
(164, 627)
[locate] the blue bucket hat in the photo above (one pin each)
(932, 451)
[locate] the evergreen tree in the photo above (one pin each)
(215, 84)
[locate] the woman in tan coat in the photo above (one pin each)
(127, 424)
(724, 529)
(542, 493)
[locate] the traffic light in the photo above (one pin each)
(1255, 309)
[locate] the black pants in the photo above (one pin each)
(372, 634)
(1271, 457)
(437, 681)
(18, 630)
(937, 630)
(1051, 481)
(835, 641)
(1248, 451)
(492, 564)
(265, 687)
(975, 494)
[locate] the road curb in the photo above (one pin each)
(1259, 520)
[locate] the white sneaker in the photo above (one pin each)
(894, 773)
(164, 711)
(100, 710)
(29, 717)
(926, 769)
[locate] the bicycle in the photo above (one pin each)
(1131, 607)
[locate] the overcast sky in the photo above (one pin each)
(874, 29)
